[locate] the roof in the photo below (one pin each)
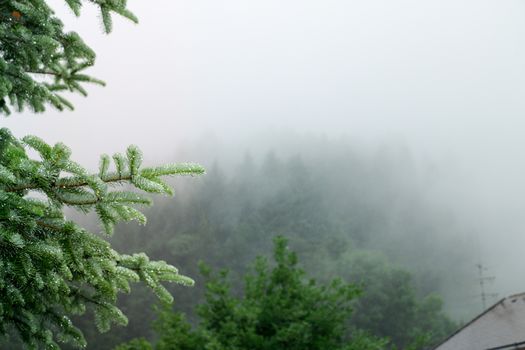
(501, 326)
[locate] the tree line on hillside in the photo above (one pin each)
(338, 222)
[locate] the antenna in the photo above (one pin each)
(482, 282)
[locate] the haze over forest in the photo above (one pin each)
(432, 91)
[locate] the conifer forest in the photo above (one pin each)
(258, 175)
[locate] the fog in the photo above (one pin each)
(442, 80)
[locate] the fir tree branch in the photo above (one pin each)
(44, 257)
(48, 226)
(76, 291)
(56, 74)
(66, 184)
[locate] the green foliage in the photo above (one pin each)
(51, 267)
(175, 332)
(229, 220)
(279, 309)
(39, 60)
(363, 341)
(137, 344)
(389, 306)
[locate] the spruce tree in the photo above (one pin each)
(279, 308)
(51, 267)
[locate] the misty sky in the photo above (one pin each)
(444, 78)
